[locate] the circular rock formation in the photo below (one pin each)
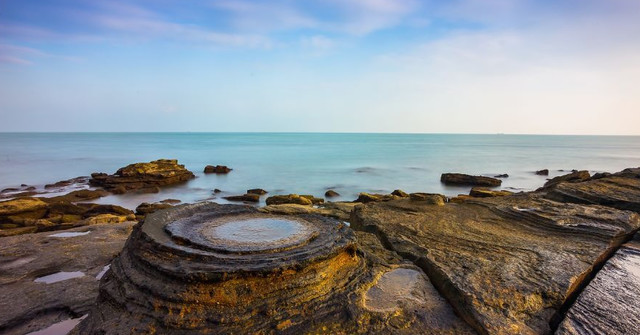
(208, 268)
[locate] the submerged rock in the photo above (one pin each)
(509, 264)
(209, 268)
(468, 180)
(145, 177)
(504, 175)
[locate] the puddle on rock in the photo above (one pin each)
(104, 270)
(60, 328)
(396, 288)
(257, 230)
(59, 276)
(70, 234)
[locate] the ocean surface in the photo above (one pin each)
(309, 163)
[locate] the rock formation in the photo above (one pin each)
(288, 199)
(209, 268)
(219, 169)
(481, 192)
(143, 177)
(248, 197)
(611, 303)
(29, 215)
(573, 177)
(331, 194)
(508, 265)
(468, 180)
(544, 172)
(620, 190)
(257, 191)
(28, 305)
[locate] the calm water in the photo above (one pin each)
(309, 163)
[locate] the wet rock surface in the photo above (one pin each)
(209, 268)
(573, 177)
(248, 197)
(289, 199)
(28, 305)
(143, 177)
(507, 265)
(611, 302)
(468, 180)
(481, 192)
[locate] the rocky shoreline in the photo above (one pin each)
(562, 259)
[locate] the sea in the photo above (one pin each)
(309, 163)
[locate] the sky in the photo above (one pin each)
(458, 66)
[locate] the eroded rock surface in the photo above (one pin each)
(145, 177)
(208, 268)
(620, 190)
(611, 302)
(27, 305)
(507, 264)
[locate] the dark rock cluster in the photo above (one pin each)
(468, 180)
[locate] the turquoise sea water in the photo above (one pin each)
(310, 163)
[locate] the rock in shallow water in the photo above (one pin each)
(208, 268)
(143, 176)
(468, 180)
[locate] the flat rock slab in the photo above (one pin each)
(620, 190)
(507, 265)
(610, 304)
(70, 263)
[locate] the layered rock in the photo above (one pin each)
(208, 268)
(573, 177)
(143, 177)
(611, 302)
(620, 190)
(481, 192)
(28, 305)
(468, 180)
(508, 265)
(29, 215)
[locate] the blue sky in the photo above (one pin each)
(460, 66)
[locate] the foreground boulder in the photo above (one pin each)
(468, 180)
(30, 304)
(214, 269)
(508, 265)
(143, 177)
(611, 303)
